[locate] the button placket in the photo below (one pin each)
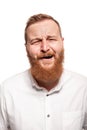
(48, 112)
(48, 115)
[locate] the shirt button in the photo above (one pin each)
(48, 115)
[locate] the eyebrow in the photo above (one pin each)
(37, 38)
(53, 36)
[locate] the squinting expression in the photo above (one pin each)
(44, 42)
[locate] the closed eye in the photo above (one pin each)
(51, 39)
(34, 42)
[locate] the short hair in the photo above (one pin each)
(38, 18)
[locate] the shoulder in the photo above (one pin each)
(16, 80)
(74, 74)
(75, 78)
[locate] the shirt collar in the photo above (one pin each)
(34, 83)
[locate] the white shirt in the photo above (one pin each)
(26, 106)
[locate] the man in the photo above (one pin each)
(45, 97)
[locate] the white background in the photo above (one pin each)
(72, 16)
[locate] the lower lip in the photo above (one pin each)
(47, 61)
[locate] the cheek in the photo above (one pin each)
(32, 51)
(58, 48)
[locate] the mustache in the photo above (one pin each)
(59, 57)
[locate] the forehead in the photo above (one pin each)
(46, 27)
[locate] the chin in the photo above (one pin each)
(47, 66)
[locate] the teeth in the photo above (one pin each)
(47, 57)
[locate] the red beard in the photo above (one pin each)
(50, 74)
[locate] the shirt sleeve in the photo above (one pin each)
(85, 120)
(3, 113)
(85, 123)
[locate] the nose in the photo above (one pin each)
(44, 45)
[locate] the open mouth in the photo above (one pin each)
(47, 57)
(47, 60)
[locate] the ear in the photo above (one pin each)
(63, 41)
(62, 38)
(26, 49)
